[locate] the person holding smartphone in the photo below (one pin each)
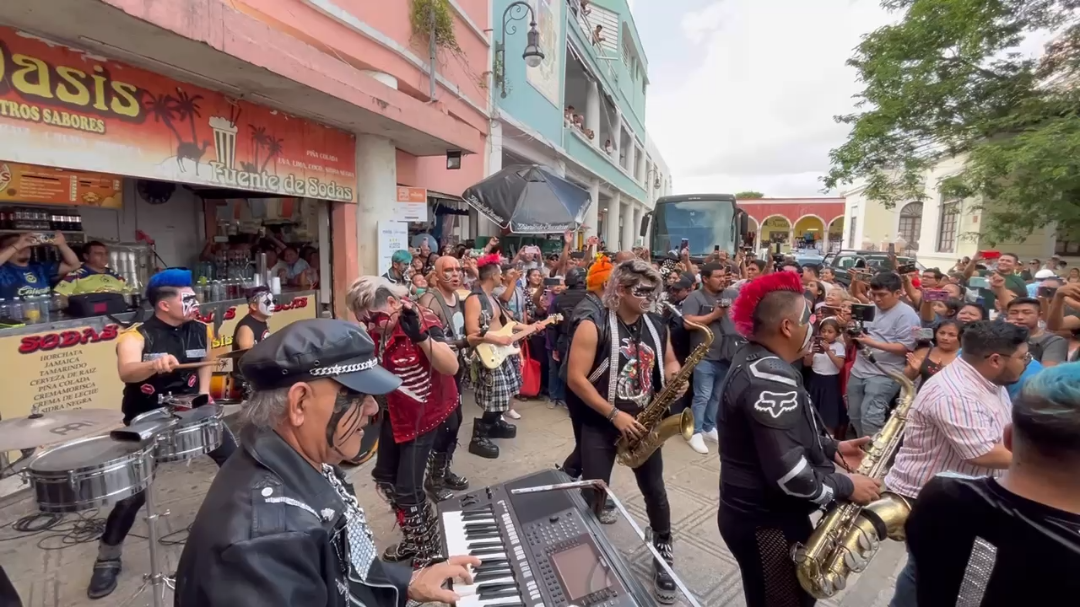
(823, 363)
(708, 306)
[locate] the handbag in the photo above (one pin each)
(530, 372)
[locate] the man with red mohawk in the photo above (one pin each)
(777, 462)
(495, 388)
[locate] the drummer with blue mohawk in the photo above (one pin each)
(147, 360)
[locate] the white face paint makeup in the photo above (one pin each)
(805, 321)
(190, 302)
(264, 303)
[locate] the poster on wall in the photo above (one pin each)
(67, 108)
(393, 236)
(546, 76)
(47, 185)
(411, 204)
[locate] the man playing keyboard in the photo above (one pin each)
(281, 524)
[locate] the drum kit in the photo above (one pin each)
(90, 472)
(73, 466)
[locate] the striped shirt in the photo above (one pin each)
(957, 416)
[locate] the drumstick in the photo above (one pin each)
(205, 363)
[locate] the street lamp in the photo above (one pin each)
(653, 171)
(517, 11)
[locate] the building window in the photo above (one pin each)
(950, 217)
(910, 225)
(1066, 247)
(851, 231)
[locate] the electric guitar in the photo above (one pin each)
(491, 355)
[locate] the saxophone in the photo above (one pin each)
(658, 424)
(848, 537)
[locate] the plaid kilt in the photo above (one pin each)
(495, 388)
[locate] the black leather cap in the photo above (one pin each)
(319, 348)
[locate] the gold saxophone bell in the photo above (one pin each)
(849, 535)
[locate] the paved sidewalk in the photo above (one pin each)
(49, 573)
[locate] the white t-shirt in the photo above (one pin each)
(822, 365)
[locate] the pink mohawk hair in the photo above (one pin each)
(488, 260)
(742, 312)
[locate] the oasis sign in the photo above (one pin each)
(67, 108)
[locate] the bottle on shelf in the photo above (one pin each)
(43, 308)
(31, 312)
(5, 309)
(15, 309)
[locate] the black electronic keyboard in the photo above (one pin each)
(544, 549)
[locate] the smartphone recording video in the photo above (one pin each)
(1046, 292)
(936, 295)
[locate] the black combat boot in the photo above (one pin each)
(421, 543)
(481, 443)
(428, 538)
(666, 590)
(501, 429)
(454, 482)
(435, 483)
(103, 581)
(385, 490)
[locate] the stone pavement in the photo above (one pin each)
(50, 570)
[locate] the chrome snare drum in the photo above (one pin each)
(196, 432)
(89, 473)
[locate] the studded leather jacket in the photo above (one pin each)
(275, 532)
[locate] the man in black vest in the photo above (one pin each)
(618, 362)
(147, 360)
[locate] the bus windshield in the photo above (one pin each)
(704, 223)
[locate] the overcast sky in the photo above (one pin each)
(743, 92)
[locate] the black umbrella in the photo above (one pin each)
(530, 199)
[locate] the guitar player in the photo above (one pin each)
(485, 314)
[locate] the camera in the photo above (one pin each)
(1047, 292)
(860, 315)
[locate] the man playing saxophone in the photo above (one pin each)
(618, 360)
(776, 457)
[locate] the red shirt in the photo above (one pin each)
(426, 397)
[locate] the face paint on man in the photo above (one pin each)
(647, 295)
(264, 303)
(190, 303)
(344, 430)
(804, 321)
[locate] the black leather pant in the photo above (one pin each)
(403, 465)
(598, 459)
(124, 513)
(763, 551)
(572, 465)
(446, 440)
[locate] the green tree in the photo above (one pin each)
(749, 194)
(948, 80)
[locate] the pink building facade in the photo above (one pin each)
(793, 222)
(357, 66)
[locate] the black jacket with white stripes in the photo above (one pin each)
(776, 460)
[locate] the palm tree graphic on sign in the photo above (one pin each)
(166, 109)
